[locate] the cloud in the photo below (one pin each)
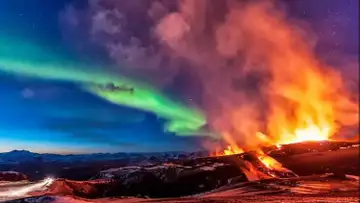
(113, 25)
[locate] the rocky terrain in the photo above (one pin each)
(325, 188)
(169, 180)
(214, 179)
(84, 167)
(12, 176)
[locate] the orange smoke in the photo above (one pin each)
(307, 100)
(299, 98)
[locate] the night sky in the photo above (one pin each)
(56, 114)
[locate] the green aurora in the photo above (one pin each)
(21, 57)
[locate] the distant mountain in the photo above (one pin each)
(81, 166)
(20, 156)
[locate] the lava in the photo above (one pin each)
(270, 162)
(230, 151)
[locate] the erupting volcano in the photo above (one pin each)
(178, 101)
(303, 99)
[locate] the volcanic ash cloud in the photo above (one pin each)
(260, 81)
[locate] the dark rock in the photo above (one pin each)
(40, 199)
(237, 179)
(12, 176)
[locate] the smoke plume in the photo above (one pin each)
(254, 68)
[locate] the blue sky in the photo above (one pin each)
(60, 117)
(49, 116)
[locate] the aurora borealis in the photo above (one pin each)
(182, 120)
(31, 61)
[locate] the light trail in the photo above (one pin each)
(24, 190)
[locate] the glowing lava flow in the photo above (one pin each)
(271, 163)
(231, 150)
(24, 190)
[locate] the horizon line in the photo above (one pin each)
(92, 153)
